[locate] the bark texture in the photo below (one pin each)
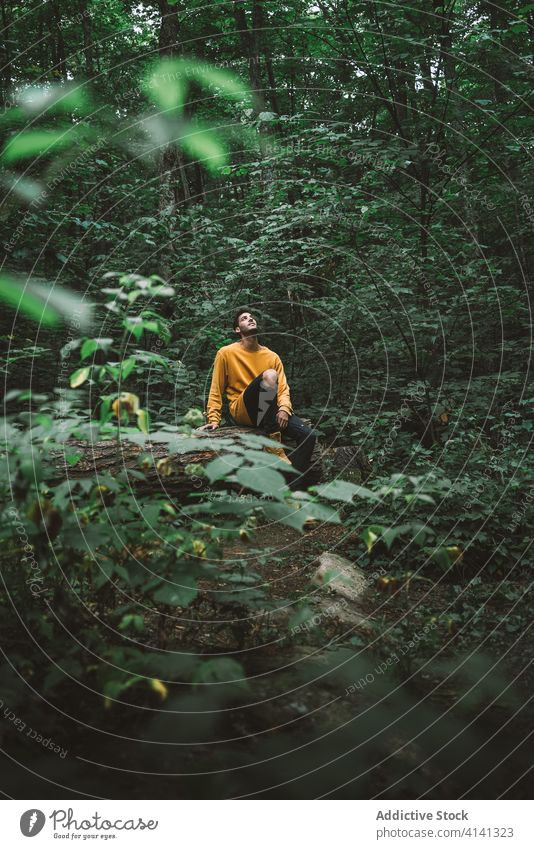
(169, 474)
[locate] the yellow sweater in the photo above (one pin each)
(233, 369)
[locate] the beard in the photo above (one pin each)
(249, 331)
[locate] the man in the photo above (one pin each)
(258, 395)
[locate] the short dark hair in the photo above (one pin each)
(239, 312)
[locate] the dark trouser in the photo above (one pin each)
(262, 409)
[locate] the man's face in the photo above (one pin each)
(247, 325)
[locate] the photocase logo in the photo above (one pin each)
(31, 822)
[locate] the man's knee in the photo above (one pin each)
(270, 376)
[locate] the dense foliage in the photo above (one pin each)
(358, 173)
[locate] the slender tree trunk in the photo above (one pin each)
(252, 45)
(249, 39)
(273, 97)
(41, 38)
(499, 20)
(174, 186)
(6, 50)
(168, 40)
(55, 28)
(87, 39)
(199, 184)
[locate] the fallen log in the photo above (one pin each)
(155, 468)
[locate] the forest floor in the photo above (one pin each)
(321, 691)
(345, 708)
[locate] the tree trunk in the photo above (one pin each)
(174, 186)
(273, 97)
(59, 61)
(168, 39)
(87, 39)
(6, 50)
(249, 38)
(165, 474)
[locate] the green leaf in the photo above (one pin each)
(152, 326)
(421, 532)
(370, 536)
(166, 85)
(185, 444)
(134, 325)
(265, 480)
(441, 557)
(132, 620)
(339, 490)
(222, 670)
(72, 459)
(92, 345)
(230, 85)
(295, 513)
(43, 303)
(322, 512)
(56, 98)
(389, 535)
(21, 295)
(178, 596)
(222, 466)
(79, 376)
(255, 440)
(67, 303)
(113, 689)
(123, 572)
(127, 367)
(114, 371)
(203, 145)
(233, 507)
(34, 142)
(287, 514)
(419, 496)
(263, 459)
(105, 574)
(27, 189)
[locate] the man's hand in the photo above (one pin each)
(282, 418)
(209, 426)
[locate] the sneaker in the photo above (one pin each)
(279, 452)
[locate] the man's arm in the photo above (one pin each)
(218, 386)
(283, 398)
